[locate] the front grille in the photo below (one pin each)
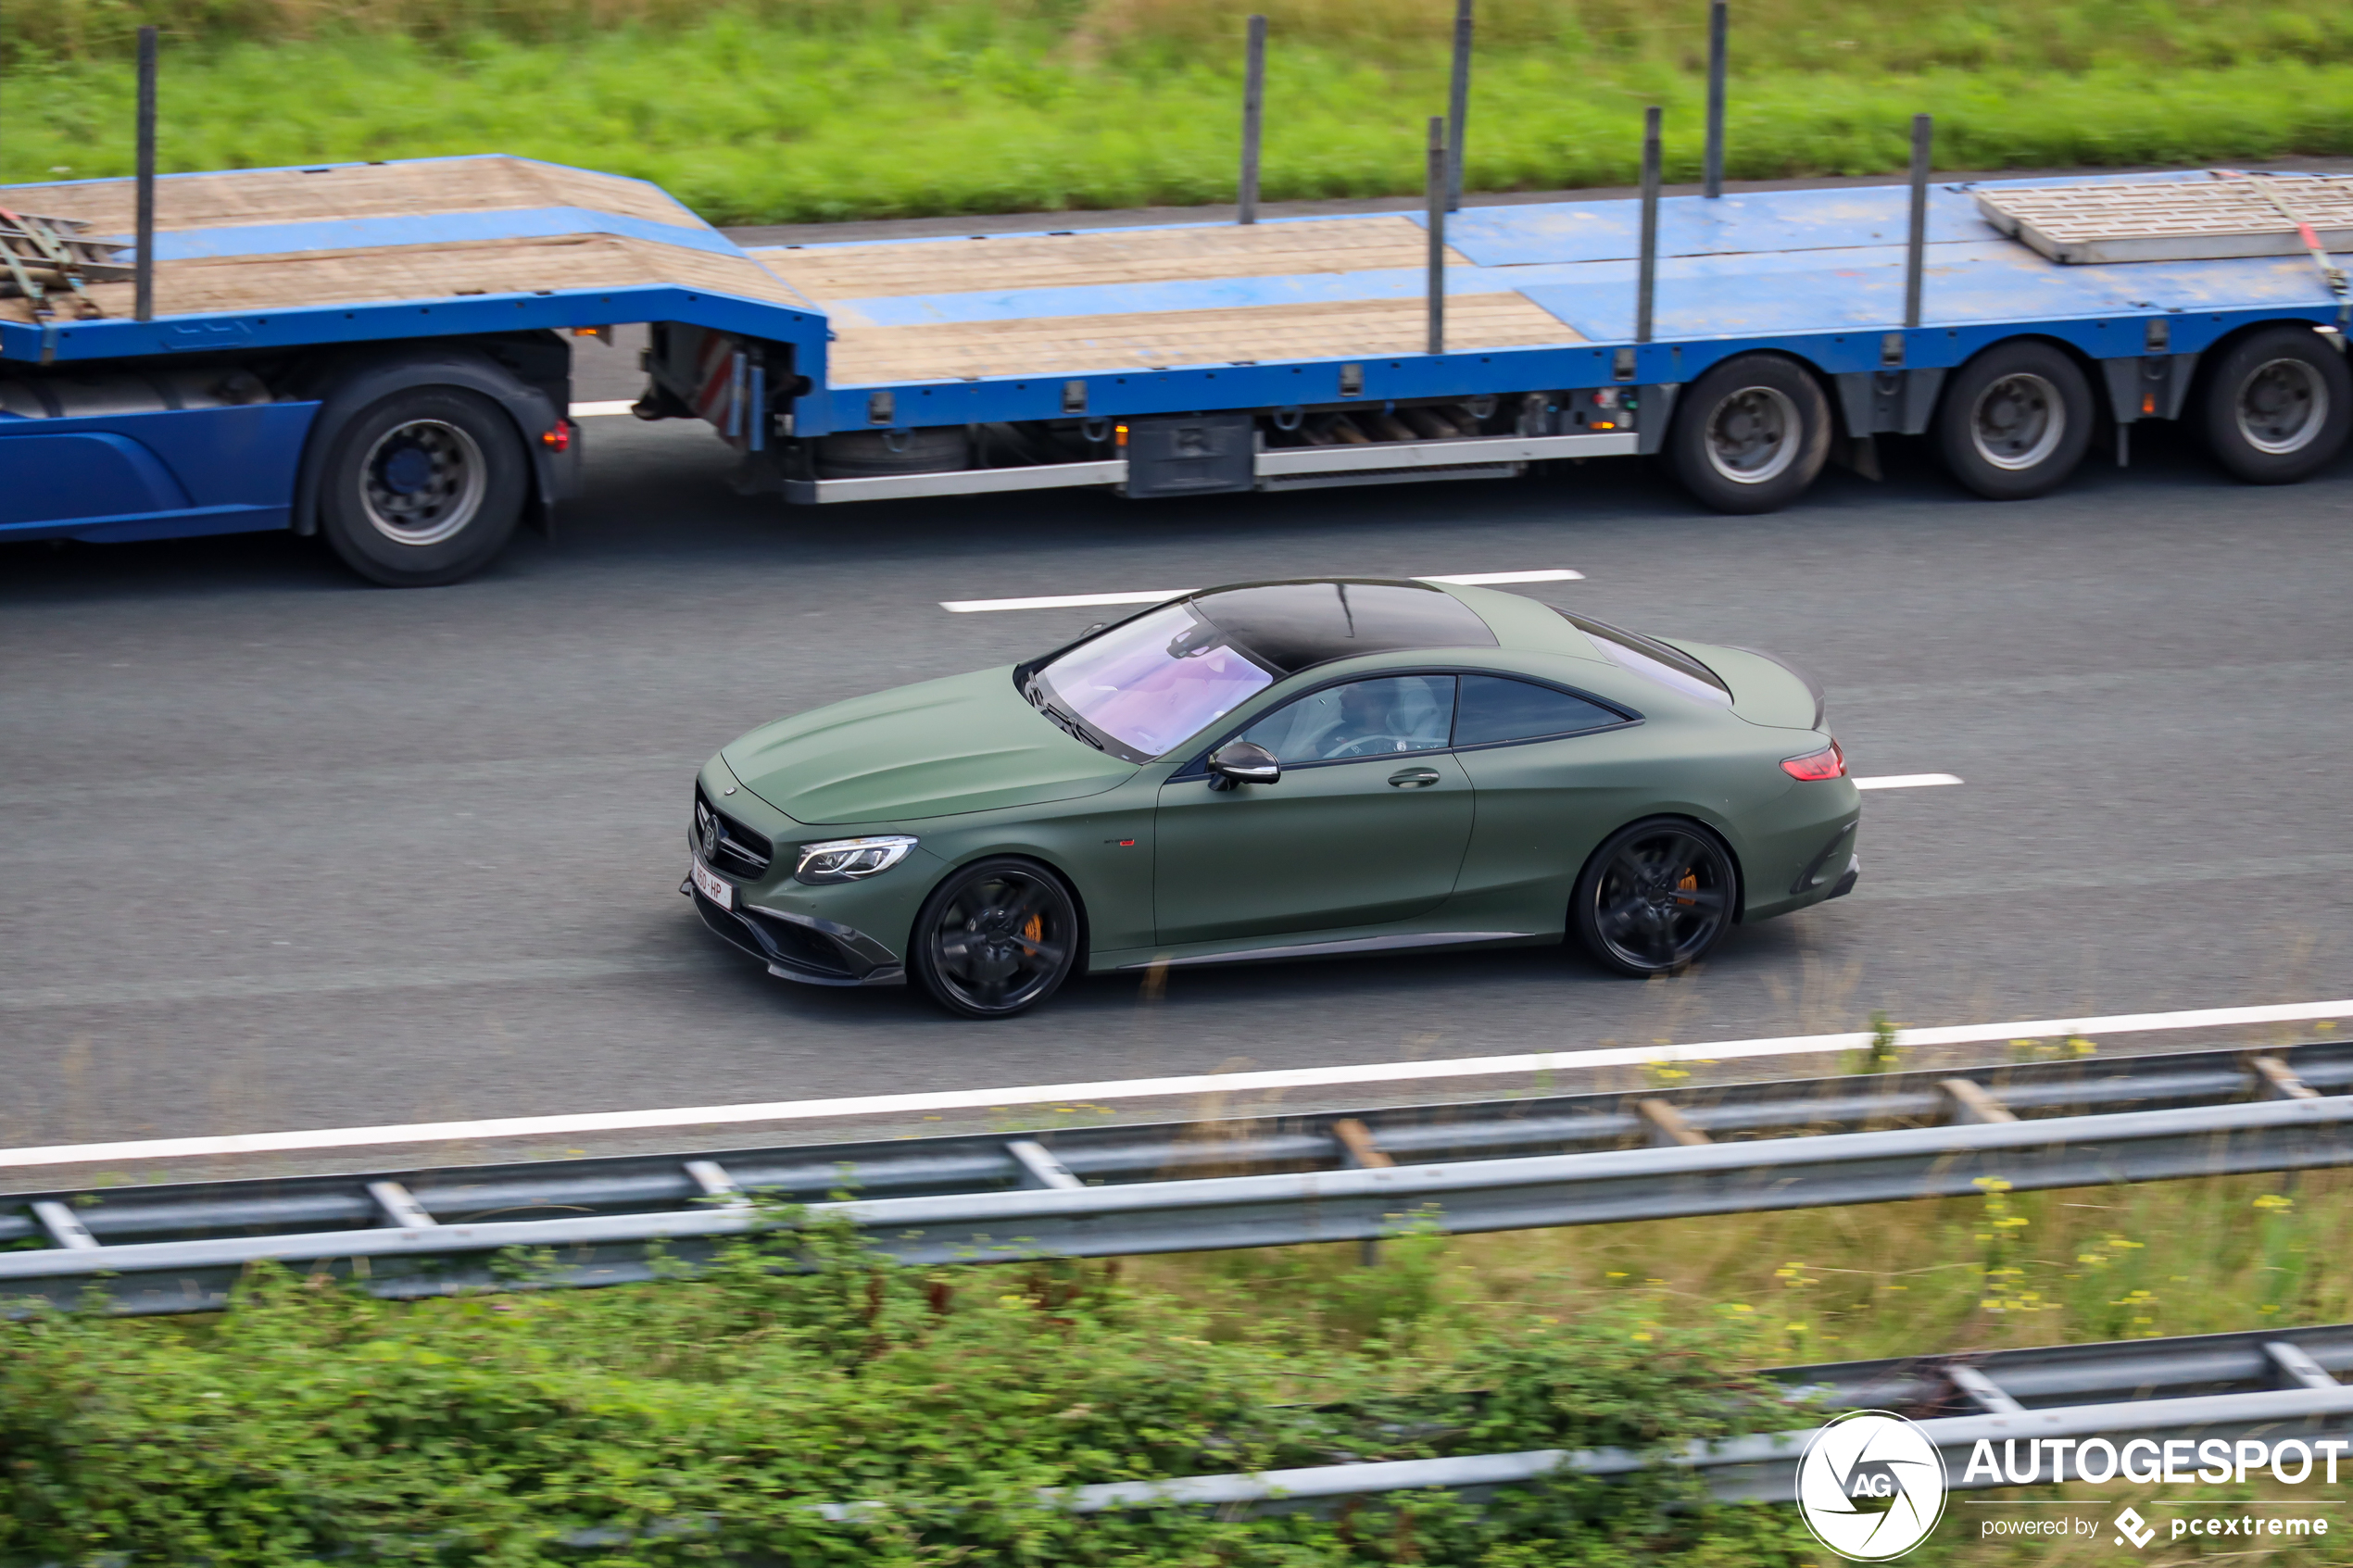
(725, 844)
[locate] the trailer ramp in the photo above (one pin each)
(289, 239)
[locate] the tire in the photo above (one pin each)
(2016, 421)
(996, 938)
(872, 454)
(423, 487)
(1751, 435)
(2276, 405)
(1656, 897)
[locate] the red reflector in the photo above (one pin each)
(1828, 763)
(560, 438)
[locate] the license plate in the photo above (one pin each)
(711, 886)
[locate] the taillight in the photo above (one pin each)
(1828, 763)
(558, 439)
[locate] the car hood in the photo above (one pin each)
(969, 743)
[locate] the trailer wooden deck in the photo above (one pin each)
(1762, 267)
(284, 239)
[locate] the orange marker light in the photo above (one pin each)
(1119, 436)
(558, 439)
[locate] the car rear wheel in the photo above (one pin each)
(996, 938)
(1656, 897)
(2277, 406)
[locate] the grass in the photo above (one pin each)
(785, 110)
(1819, 1285)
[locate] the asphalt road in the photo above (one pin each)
(284, 850)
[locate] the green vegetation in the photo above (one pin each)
(800, 109)
(1825, 1284)
(309, 1425)
(312, 1424)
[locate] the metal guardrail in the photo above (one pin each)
(1493, 1165)
(2277, 1383)
(1753, 1469)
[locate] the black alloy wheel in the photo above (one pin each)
(2276, 405)
(1750, 434)
(1656, 897)
(996, 938)
(2016, 421)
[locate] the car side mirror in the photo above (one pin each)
(1241, 762)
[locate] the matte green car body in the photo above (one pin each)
(1327, 860)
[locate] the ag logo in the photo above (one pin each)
(1870, 1485)
(2135, 1529)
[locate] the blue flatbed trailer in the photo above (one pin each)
(380, 353)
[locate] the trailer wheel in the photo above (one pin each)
(872, 454)
(423, 487)
(2277, 404)
(1751, 435)
(2016, 421)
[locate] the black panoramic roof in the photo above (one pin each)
(1288, 626)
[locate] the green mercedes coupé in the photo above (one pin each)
(1277, 771)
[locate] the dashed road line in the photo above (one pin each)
(1157, 596)
(1907, 781)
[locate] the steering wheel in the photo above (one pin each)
(1370, 745)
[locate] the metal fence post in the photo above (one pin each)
(143, 279)
(1253, 115)
(1437, 196)
(1458, 103)
(1916, 246)
(1647, 285)
(1719, 23)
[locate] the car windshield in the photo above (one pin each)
(1153, 682)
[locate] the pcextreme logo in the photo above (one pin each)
(1870, 1485)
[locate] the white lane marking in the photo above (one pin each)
(1477, 579)
(596, 411)
(1156, 596)
(1145, 1088)
(1062, 601)
(1907, 781)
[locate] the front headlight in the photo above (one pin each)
(847, 860)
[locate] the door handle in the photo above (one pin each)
(1414, 778)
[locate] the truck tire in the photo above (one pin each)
(422, 487)
(2016, 421)
(873, 454)
(1750, 434)
(2276, 405)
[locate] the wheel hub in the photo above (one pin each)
(422, 482)
(2019, 421)
(2281, 406)
(1750, 435)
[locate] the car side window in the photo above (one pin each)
(1494, 708)
(1375, 718)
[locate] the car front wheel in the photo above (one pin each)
(1656, 897)
(996, 938)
